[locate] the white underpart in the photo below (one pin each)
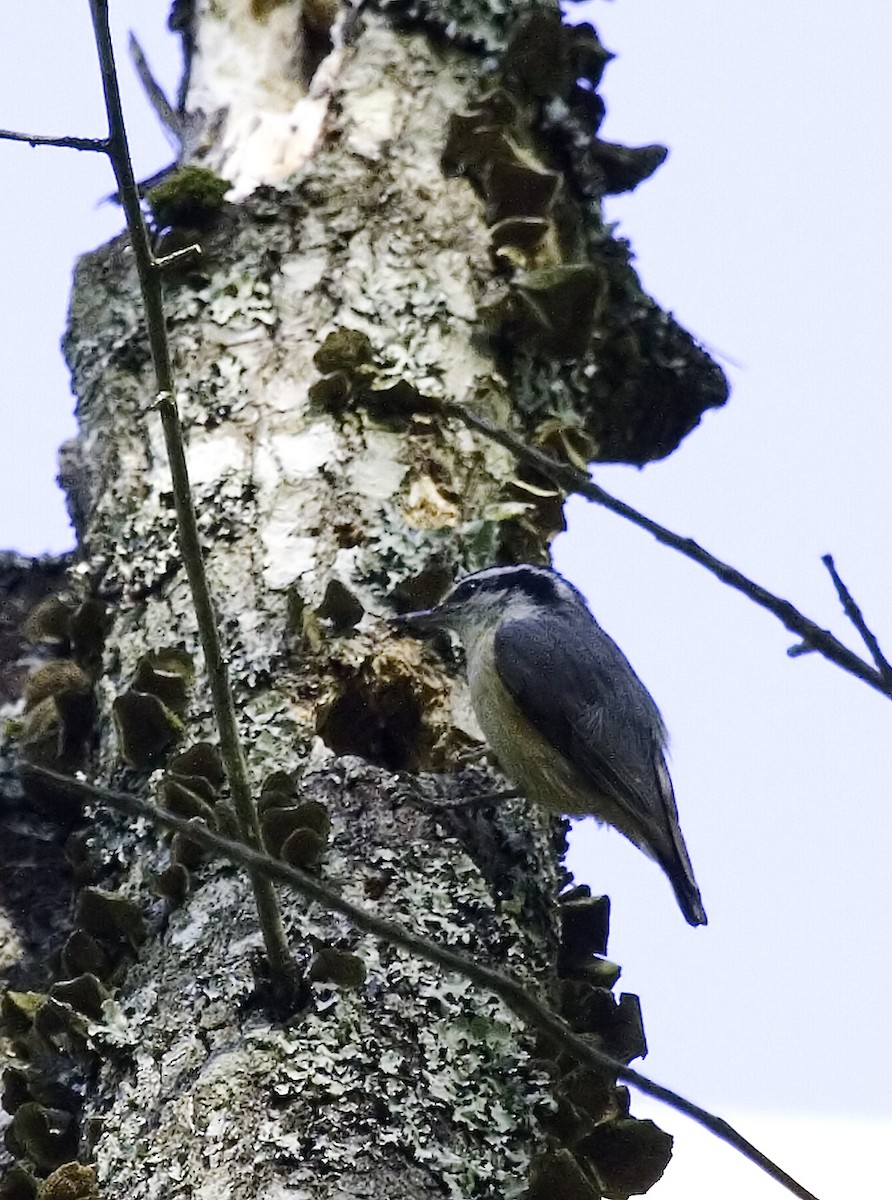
(247, 70)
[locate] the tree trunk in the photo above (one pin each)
(417, 219)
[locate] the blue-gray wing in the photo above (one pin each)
(576, 687)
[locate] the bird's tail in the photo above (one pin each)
(672, 854)
(688, 896)
(681, 875)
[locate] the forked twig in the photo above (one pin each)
(161, 106)
(853, 612)
(571, 479)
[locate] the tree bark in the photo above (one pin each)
(414, 222)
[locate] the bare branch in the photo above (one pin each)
(853, 612)
(573, 480)
(276, 943)
(508, 989)
(161, 106)
(99, 145)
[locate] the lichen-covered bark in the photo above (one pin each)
(418, 1071)
(401, 1085)
(323, 317)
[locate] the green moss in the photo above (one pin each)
(190, 197)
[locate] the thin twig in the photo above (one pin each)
(573, 480)
(799, 649)
(463, 803)
(161, 106)
(853, 612)
(98, 145)
(178, 256)
(280, 960)
(508, 989)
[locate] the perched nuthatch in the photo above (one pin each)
(570, 722)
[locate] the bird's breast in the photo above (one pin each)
(525, 756)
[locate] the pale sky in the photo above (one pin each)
(767, 233)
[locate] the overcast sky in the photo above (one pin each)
(767, 234)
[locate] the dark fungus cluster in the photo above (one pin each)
(598, 1149)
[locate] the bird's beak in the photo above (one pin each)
(425, 618)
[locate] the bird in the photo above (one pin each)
(571, 724)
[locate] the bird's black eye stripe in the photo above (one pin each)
(467, 587)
